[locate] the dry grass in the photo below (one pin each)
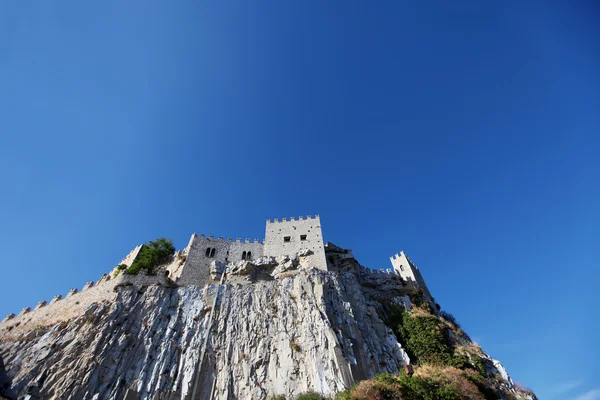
(451, 376)
(374, 390)
(419, 312)
(470, 348)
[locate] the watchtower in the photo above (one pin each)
(288, 237)
(409, 271)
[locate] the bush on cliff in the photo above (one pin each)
(151, 255)
(311, 396)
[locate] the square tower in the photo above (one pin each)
(288, 237)
(409, 271)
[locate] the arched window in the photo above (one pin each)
(212, 252)
(208, 252)
(244, 255)
(249, 256)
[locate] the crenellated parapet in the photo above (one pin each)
(9, 317)
(40, 305)
(88, 285)
(300, 218)
(71, 292)
(104, 278)
(409, 272)
(56, 298)
(24, 311)
(221, 239)
(287, 237)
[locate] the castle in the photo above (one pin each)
(293, 278)
(283, 237)
(195, 265)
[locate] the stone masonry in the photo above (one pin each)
(284, 239)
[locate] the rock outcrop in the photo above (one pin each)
(274, 328)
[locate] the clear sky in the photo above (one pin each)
(464, 133)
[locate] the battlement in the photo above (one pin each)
(221, 239)
(300, 218)
(191, 266)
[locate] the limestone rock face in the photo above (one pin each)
(216, 269)
(276, 327)
(313, 331)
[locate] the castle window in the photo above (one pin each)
(208, 252)
(302, 237)
(243, 255)
(287, 238)
(212, 252)
(402, 268)
(249, 256)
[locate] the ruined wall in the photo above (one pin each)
(130, 258)
(75, 302)
(290, 237)
(409, 271)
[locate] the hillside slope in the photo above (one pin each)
(277, 329)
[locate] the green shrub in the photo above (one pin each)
(120, 268)
(425, 338)
(295, 346)
(311, 396)
(151, 255)
(345, 395)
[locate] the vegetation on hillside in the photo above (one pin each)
(151, 255)
(447, 365)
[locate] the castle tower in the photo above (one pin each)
(409, 271)
(202, 251)
(288, 237)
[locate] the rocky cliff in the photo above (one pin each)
(273, 328)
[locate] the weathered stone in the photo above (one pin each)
(8, 317)
(305, 253)
(242, 268)
(217, 268)
(24, 311)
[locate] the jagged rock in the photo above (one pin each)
(265, 262)
(287, 265)
(314, 330)
(217, 268)
(242, 268)
(305, 253)
(287, 336)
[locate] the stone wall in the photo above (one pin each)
(409, 271)
(195, 271)
(287, 238)
(75, 302)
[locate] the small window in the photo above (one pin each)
(249, 256)
(212, 252)
(243, 255)
(287, 238)
(402, 268)
(302, 237)
(208, 252)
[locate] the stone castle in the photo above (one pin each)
(223, 318)
(206, 258)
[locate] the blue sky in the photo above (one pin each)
(464, 134)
